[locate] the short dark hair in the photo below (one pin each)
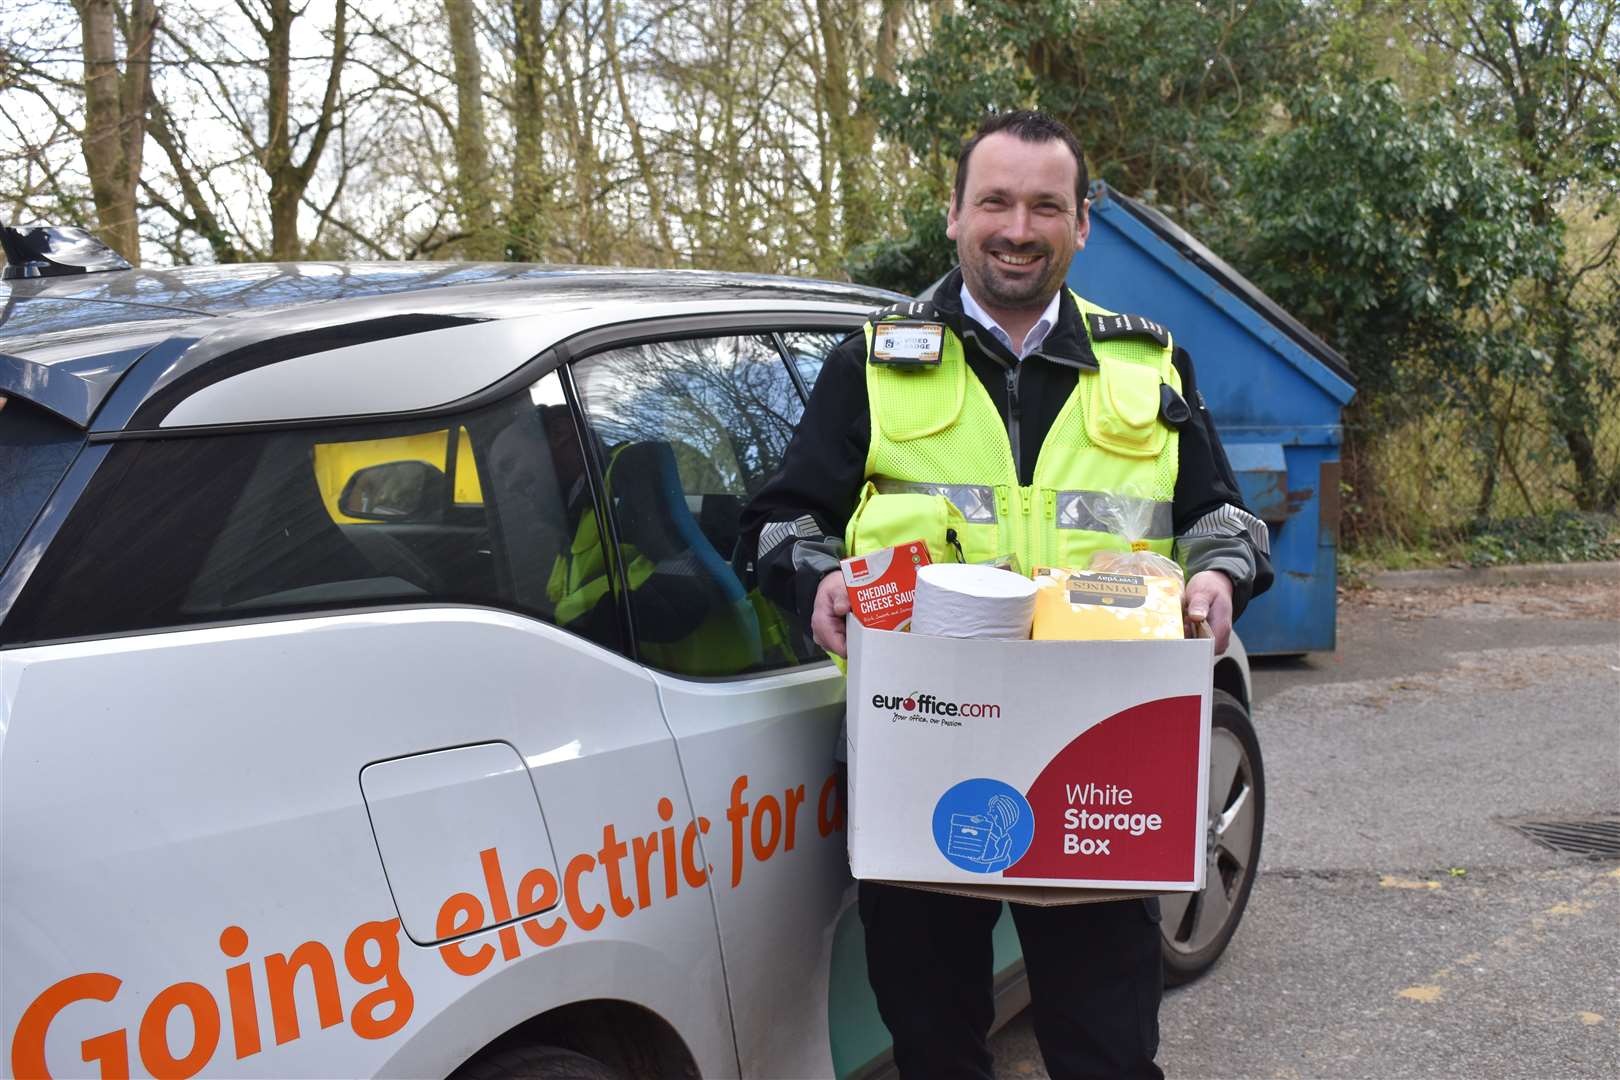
(1030, 126)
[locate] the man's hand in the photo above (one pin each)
(1208, 599)
(832, 604)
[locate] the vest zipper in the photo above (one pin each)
(1015, 413)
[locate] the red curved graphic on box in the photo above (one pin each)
(1149, 750)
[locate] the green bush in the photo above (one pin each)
(1561, 536)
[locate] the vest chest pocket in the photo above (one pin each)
(884, 520)
(1122, 408)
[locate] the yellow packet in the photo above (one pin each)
(1088, 605)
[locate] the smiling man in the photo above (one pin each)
(1017, 220)
(1014, 399)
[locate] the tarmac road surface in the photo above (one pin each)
(1399, 928)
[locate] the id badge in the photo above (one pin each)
(907, 344)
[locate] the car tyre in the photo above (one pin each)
(535, 1063)
(1197, 926)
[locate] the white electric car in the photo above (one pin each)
(382, 692)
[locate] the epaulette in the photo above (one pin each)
(1107, 327)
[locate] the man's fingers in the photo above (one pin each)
(829, 634)
(1208, 600)
(827, 620)
(839, 645)
(1220, 623)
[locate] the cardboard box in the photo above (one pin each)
(1018, 769)
(882, 584)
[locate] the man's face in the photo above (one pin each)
(1017, 227)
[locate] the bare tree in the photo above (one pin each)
(195, 210)
(530, 185)
(734, 134)
(115, 109)
(650, 180)
(289, 177)
(254, 93)
(474, 190)
(41, 87)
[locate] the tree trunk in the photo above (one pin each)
(474, 194)
(528, 175)
(838, 149)
(852, 124)
(571, 91)
(278, 138)
(736, 228)
(116, 115)
(288, 178)
(829, 135)
(1573, 412)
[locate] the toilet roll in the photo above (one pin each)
(966, 600)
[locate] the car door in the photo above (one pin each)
(755, 709)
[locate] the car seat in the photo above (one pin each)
(691, 613)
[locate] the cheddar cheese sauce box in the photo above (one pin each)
(1048, 772)
(883, 583)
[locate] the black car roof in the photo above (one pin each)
(233, 288)
(65, 342)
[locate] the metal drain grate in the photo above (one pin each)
(1593, 837)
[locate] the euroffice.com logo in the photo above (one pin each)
(920, 704)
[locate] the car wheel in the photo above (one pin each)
(534, 1063)
(1197, 926)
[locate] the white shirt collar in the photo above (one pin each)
(1032, 340)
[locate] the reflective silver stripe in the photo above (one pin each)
(778, 532)
(1101, 511)
(976, 501)
(1229, 520)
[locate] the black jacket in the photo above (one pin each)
(795, 524)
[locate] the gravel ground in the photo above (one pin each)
(1399, 927)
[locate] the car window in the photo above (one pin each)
(215, 528)
(808, 350)
(687, 431)
(36, 449)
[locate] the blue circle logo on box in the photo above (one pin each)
(983, 825)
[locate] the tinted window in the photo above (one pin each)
(479, 509)
(689, 430)
(808, 350)
(36, 449)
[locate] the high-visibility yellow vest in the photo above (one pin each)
(940, 463)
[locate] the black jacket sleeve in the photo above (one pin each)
(1214, 530)
(794, 525)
